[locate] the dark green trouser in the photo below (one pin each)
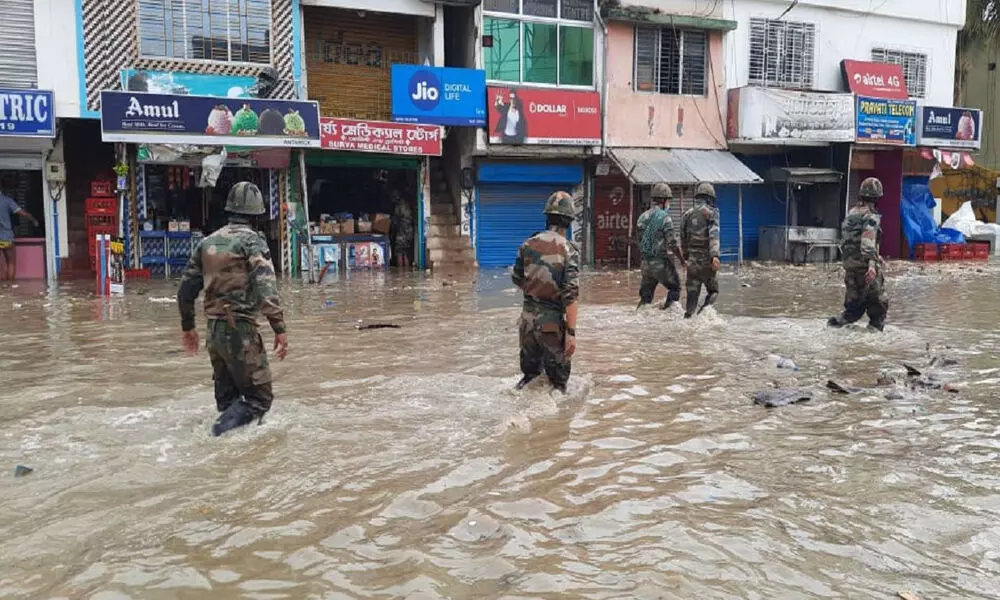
(659, 271)
(543, 340)
(239, 365)
(861, 298)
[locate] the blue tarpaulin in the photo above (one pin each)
(919, 227)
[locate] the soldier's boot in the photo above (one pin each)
(835, 322)
(525, 381)
(559, 387)
(237, 415)
(673, 296)
(692, 304)
(877, 324)
(709, 301)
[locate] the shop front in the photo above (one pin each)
(27, 127)
(179, 156)
(540, 141)
(366, 196)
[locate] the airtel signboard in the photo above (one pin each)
(875, 80)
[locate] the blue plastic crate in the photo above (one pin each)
(157, 271)
(150, 245)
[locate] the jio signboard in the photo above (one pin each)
(438, 95)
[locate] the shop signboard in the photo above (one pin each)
(520, 115)
(381, 136)
(948, 127)
(198, 84)
(787, 117)
(611, 217)
(876, 80)
(886, 121)
(438, 95)
(210, 120)
(27, 113)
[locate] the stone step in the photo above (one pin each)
(456, 243)
(452, 267)
(451, 254)
(450, 220)
(442, 208)
(444, 231)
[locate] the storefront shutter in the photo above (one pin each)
(508, 214)
(18, 67)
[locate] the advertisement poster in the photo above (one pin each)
(883, 121)
(950, 127)
(29, 113)
(116, 266)
(520, 115)
(215, 121)
(365, 255)
(763, 116)
(611, 218)
(381, 136)
(877, 80)
(187, 84)
(438, 95)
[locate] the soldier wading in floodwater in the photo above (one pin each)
(548, 271)
(860, 239)
(234, 267)
(657, 241)
(700, 241)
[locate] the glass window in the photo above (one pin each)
(541, 8)
(914, 68)
(501, 49)
(504, 6)
(540, 53)
(219, 30)
(576, 57)
(671, 61)
(577, 10)
(782, 53)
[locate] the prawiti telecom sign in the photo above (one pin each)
(27, 113)
(438, 95)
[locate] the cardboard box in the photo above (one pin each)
(173, 225)
(382, 224)
(329, 228)
(363, 226)
(184, 225)
(347, 228)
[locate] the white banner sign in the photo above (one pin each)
(787, 117)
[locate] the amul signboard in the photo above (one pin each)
(948, 127)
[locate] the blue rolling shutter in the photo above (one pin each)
(508, 214)
(760, 208)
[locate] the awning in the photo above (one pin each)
(654, 16)
(681, 166)
(803, 175)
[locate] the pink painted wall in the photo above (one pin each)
(889, 169)
(644, 119)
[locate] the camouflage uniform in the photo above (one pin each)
(861, 235)
(657, 267)
(548, 271)
(700, 241)
(234, 267)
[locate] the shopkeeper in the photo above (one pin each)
(8, 208)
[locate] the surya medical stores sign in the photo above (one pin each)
(381, 137)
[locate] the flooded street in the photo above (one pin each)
(399, 463)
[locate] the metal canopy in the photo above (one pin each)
(803, 175)
(682, 166)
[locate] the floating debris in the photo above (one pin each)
(21, 471)
(781, 397)
(377, 326)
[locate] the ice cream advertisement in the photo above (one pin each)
(948, 127)
(210, 120)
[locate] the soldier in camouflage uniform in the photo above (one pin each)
(861, 236)
(700, 241)
(234, 267)
(657, 240)
(548, 271)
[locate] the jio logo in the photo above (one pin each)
(425, 90)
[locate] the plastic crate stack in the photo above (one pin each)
(102, 219)
(166, 253)
(952, 252)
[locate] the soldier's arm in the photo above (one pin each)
(265, 282)
(517, 275)
(670, 238)
(869, 246)
(569, 290)
(713, 233)
(192, 281)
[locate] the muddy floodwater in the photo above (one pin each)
(399, 463)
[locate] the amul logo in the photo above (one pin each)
(425, 90)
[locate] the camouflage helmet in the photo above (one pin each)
(705, 189)
(245, 199)
(870, 190)
(661, 191)
(560, 203)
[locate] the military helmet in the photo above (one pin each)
(870, 190)
(705, 189)
(245, 199)
(661, 191)
(560, 203)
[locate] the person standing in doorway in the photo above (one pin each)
(700, 241)
(547, 270)
(657, 240)
(9, 208)
(402, 234)
(864, 281)
(234, 267)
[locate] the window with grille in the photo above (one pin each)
(217, 30)
(671, 61)
(914, 68)
(782, 53)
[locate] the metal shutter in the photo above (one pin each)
(508, 214)
(18, 66)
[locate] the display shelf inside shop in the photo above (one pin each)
(165, 253)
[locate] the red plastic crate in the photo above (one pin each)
(102, 188)
(133, 274)
(951, 251)
(968, 252)
(981, 250)
(102, 221)
(926, 252)
(102, 206)
(93, 232)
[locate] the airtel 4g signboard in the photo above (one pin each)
(438, 95)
